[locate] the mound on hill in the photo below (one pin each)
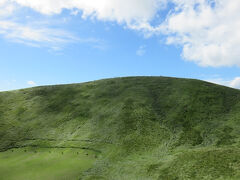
(142, 128)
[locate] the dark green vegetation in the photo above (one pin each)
(125, 128)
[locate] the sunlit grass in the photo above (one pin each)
(131, 128)
(38, 164)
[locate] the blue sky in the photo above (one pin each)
(50, 43)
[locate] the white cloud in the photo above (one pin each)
(37, 33)
(141, 50)
(207, 30)
(35, 36)
(219, 81)
(6, 8)
(40, 36)
(129, 13)
(234, 83)
(114, 10)
(31, 83)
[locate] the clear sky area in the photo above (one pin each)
(71, 41)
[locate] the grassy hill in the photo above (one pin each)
(143, 128)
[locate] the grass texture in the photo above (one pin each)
(138, 128)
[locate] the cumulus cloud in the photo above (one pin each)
(134, 14)
(115, 10)
(207, 30)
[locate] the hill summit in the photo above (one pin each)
(123, 128)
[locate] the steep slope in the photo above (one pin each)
(135, 128)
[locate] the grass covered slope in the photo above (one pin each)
(129, 128)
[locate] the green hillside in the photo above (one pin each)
(135, 128)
